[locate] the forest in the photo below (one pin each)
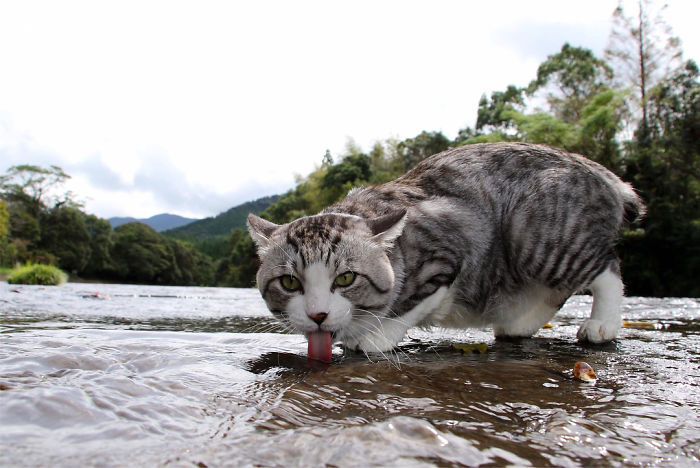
(635, 110)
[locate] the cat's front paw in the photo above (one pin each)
(371, 343)
(598, 331)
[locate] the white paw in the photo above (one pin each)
(502, 331)
(371, 343)
(598, 331)
(374, 343)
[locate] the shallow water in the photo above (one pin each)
(165, 376)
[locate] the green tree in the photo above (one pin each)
(24, 230)
(4, 221)
(65, 236)
(100, 231)
(664, 258)
(32, 185)
(598, 128)
(6, 255)
(381, 168)
(239, 269)
(411, 151)
(190, 267)
(496, 112)
(351, 171)
(572, 77)
(141, 255)
(584, 114)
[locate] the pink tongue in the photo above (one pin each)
(320, 346)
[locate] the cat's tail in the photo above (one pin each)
(633, 206)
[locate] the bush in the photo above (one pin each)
(37, 274)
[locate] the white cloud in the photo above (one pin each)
(190, 106)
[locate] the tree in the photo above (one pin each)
(327, 158)
(239, 269)
(4, 221)
(31, 185)
(354, 167)
(5, 254)
(140, 254)
(664, 259)
(584, 115)
(643, 50)
(411, 151)
(575, 74)
(65, 236)
(190, 267)
(598, 127)
(496, 112)
(100, 232)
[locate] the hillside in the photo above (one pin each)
(223, 223)
(159, 222)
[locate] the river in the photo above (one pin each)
(115, 375)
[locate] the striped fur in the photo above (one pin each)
(496, 234)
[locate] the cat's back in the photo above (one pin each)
(500, 167)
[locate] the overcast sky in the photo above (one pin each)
(194, 107)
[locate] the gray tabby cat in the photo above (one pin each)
(481, 235)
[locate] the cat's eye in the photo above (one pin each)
(345, 279)
(290, 283)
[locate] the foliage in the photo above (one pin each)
(46, 275)
(413, 150)
(4, 232)
(496, 112)
(576, 75)
(100, 245)
(665, 259)
(31, 185)
(239, 268)
(142, 255)
(64, 235)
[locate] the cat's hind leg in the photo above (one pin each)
(605, 318)
(525, 313)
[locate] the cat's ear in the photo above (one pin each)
(260, 230)
(386, 229)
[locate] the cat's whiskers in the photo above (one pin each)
(379, 319)
(395, 362)
(372, 328)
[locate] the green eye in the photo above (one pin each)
(290, 283)
(345, 279)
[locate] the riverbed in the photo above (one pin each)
(115, 375)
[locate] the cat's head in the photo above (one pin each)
(329, 271)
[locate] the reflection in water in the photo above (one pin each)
(204, 377)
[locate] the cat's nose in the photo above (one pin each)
(319, 317)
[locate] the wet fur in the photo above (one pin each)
(482, 235)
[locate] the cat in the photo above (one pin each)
(493, 234)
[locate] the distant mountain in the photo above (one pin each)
(159, 222)
(223, 223)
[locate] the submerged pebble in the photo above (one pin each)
(583, 371)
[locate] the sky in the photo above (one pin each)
(194, 107)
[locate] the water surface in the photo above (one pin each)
(113, 375)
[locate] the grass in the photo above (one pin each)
(46, 275)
